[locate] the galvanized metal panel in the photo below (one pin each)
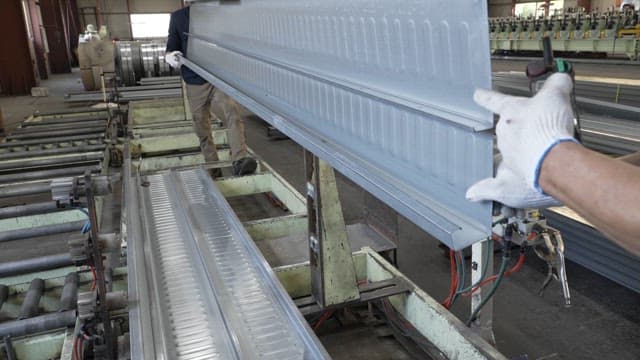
(202, 290)
(382, 90)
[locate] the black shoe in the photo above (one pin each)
(244, 166)
(215, 173)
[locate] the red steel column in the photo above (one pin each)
(16, 71)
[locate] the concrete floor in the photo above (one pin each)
(603, 323)
(17, 108)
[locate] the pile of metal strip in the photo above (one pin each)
(128, 93)
(381, 90)
(52, 146)
(137, 59)
(608, 127)
(610, 135)
(623, 94)
(198, 286)
(589, 248)
(127, 60)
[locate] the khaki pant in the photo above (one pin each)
(203, 98)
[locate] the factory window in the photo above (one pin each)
(537, 8)
(144, 26)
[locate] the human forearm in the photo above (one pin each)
(604, 191)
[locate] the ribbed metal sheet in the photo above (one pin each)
(211, 294)
(382, 90)
(588, 247)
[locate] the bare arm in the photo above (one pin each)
(604, 191)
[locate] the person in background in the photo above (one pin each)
(204, 97)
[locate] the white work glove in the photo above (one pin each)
(509, 189)
(527, 130)
(174, 59)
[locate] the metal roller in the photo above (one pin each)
(4, 294)
(59, 161)
(38, 324)
(48, 174)
(65, 120)
(56, 127)
(36, 264)
(41, 231)
(29, 209)
(8, 348)
(31, 300)
(25, 189)
(54, 140)
(50, 152)
(69, 296)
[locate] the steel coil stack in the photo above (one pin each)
(138, 59)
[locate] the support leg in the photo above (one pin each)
(333, 277)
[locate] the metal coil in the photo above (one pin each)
(138, 59)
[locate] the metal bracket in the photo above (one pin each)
(333, 275)
(368, 292)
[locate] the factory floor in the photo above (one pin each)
(603, 323)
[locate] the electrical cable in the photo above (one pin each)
(507, 273)
(95, 278)
(506, 255)
(485, 267)
(454, 278)
(461, 276)
(75, 348)
(327, 314)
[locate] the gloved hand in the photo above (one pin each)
(509, 189)
(174, 59)
(530, 127)
(527, 130)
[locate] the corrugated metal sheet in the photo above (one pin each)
(202, 290)
(588, 247)
(382, 90)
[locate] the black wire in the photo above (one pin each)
(506, 255)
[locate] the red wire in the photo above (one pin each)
(327, 314)
(514, 269)
(74, 349)
(95, 277)
(454, 280)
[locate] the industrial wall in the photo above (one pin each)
(17, 74)
(115, 13)
(499, 8)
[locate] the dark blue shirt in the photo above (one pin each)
(178, 41)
